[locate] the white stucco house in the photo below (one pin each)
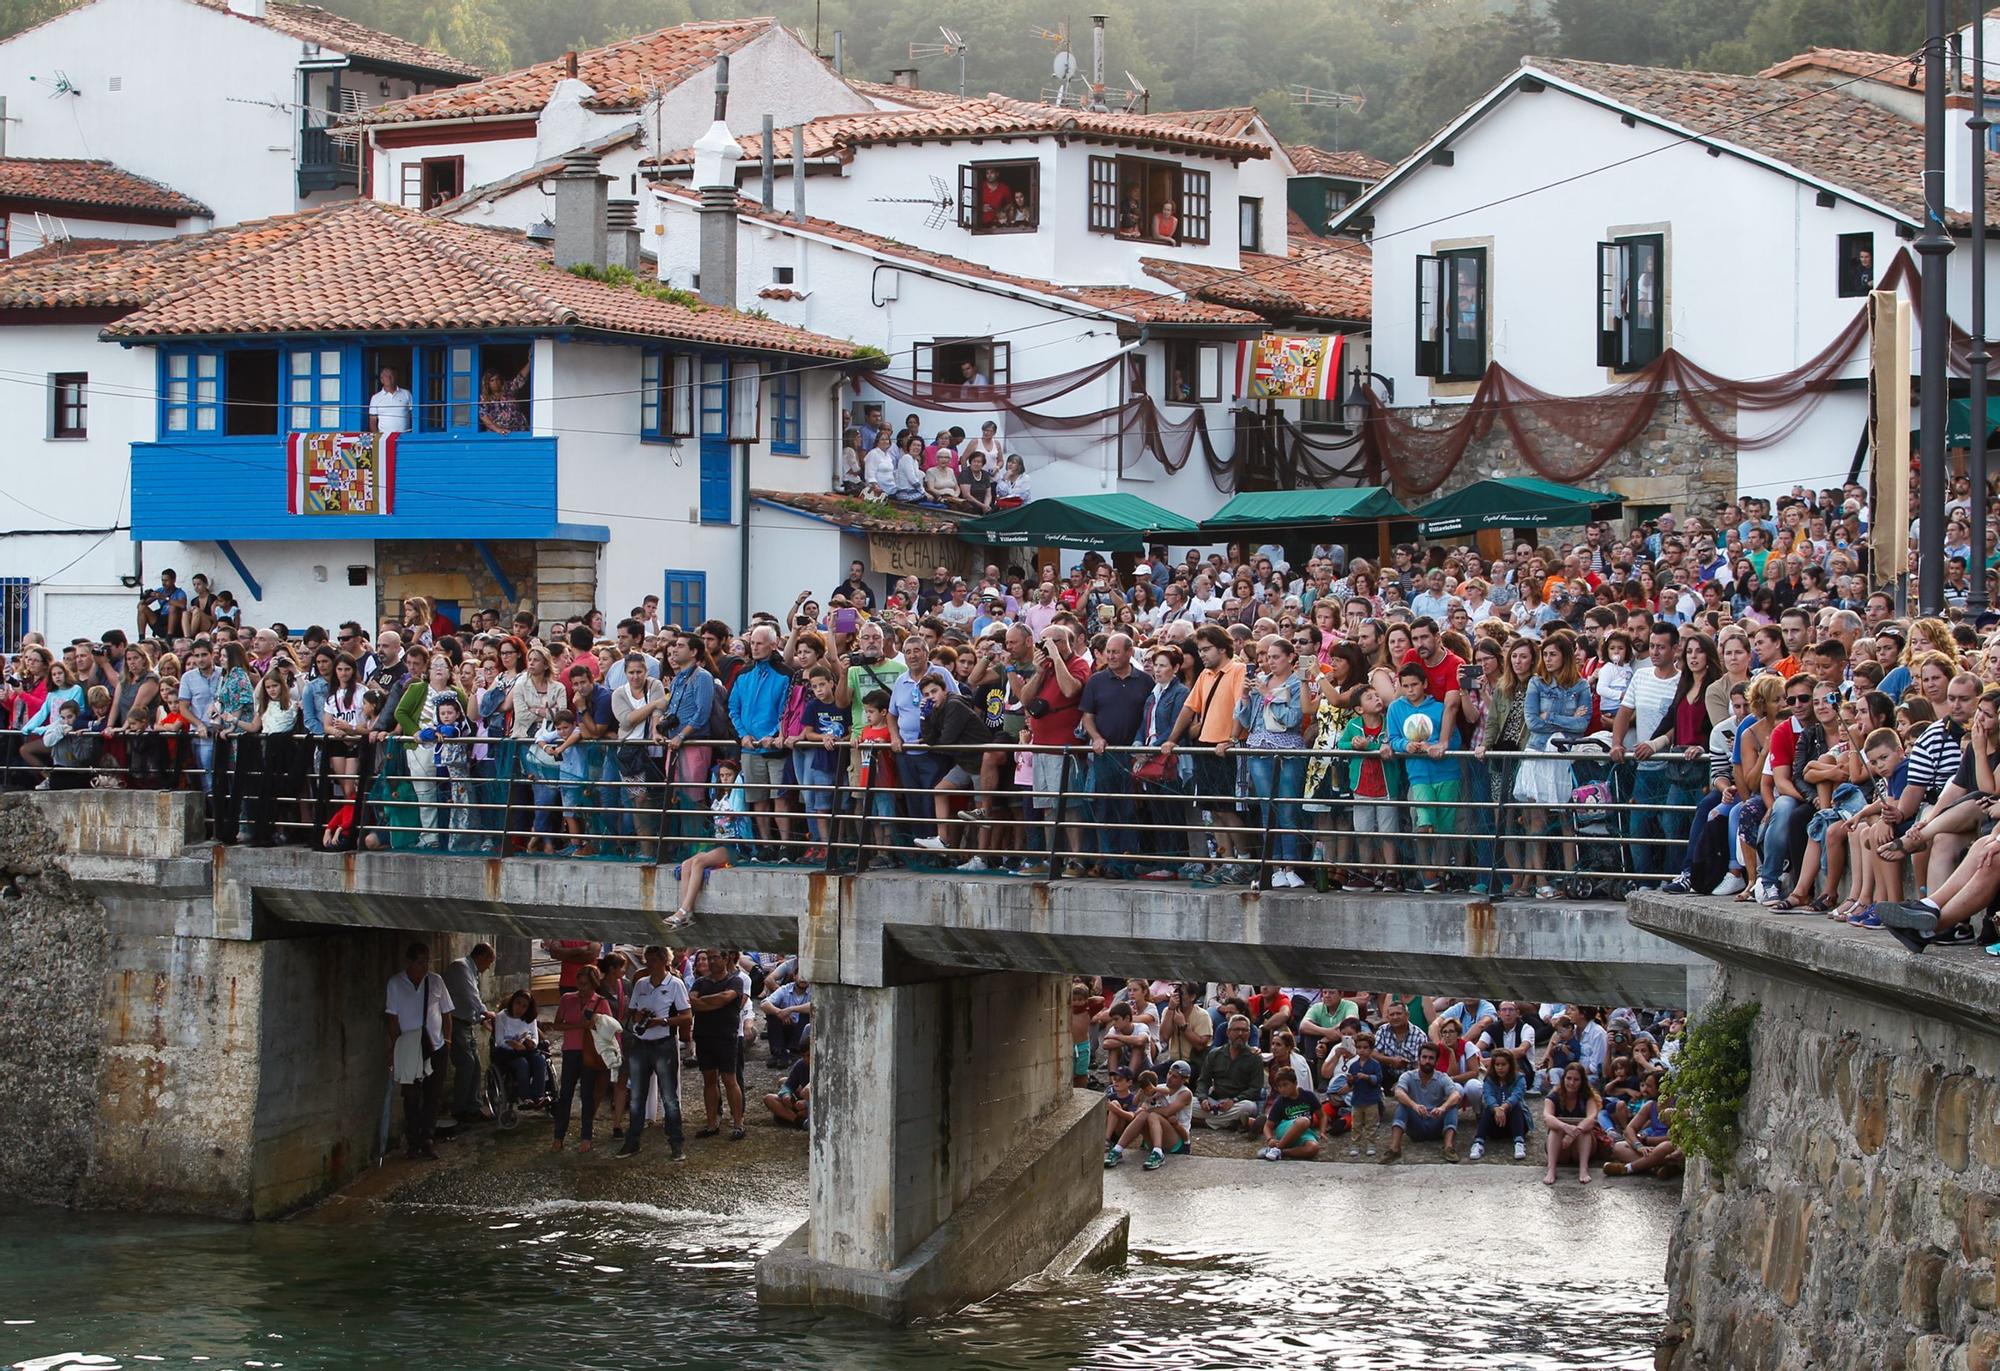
(1028, 242)
(472, 145)
(612, 458)
(1582, 217)
(227, 101)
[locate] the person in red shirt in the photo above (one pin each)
(994, 196)
(1441, 665)
(1052, 697)
(570, 953)
(573, 1016)
(1271, 1009)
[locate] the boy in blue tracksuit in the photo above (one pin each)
(756, 710)
(1433, 777)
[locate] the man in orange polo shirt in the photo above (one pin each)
(1209, 718)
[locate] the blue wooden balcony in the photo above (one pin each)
(446, 486)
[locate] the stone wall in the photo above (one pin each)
(52, 939)
(1859, 1222)
(451, 570)
(1673, 462)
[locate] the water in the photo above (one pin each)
(1233, 1264)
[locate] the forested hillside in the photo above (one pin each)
(1415, 62)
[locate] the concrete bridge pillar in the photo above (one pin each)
(950, 1156)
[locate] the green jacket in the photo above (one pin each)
(410, 708)
(1224, 1077)
(1350, 740)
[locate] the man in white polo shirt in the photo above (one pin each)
(418, 1011)
(658, 1009)
(1643, 716)
(391, 409)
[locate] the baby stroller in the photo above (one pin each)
(1600, 859)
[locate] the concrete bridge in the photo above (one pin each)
(950, 1157)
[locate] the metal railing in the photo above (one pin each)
(1080, 812)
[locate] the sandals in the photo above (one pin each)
(1786, 904)
(1824, 904)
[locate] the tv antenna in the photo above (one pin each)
(58, 85)
(1137, 98)
(943, 204)
(1065, 67)
(1311, 97)
(952, 46)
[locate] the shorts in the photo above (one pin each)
(1430, 801)
(1372, 816)
(1181, 1147)
(1306, 1139)
(760, 774)
(814, 774)
(959, 778)
(717, 1054)
(1079, 1059)
(1048, 782)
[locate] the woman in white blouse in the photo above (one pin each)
(1011, 488)
(517, 1049)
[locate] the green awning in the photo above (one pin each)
(1100, 523)
(1958, 427)
(1277, 510)
(1514, 502)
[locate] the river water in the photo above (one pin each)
(1234, 1263)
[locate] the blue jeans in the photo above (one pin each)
(1703, 813)
(1110, 781)
(1516, 1126)
(575, 1074)
(528, 1070)
(1415, 1125)
(1655, 813)
(1776, 844)
(653, 1061)
(1278, 783)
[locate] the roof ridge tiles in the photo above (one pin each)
(434, 235)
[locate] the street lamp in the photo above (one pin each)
(1357, 398)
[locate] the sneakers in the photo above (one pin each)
(679, 1153)
(1155, 1159)
(1545, 892)
(1272, 1154)
(1357, 883)
(929, 844)
(1732, 884)
(974, 864)
(1192, 871)
(1284, 878)
(1451, 1153)
(1074, 871)
(1520, 1149)
(1617, 1169)
(1682, 884)
(1112, 1156)
(1035, 870)
(630, 1149)
(1478, 1149)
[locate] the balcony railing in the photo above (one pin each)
(327, 162)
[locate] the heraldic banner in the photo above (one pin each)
(341, 473)
(1289, 366)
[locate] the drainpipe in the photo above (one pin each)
(767, 194)
(799, 172)
(743, 561)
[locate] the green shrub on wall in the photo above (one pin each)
(1710, 1078)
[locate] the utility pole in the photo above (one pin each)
(1933, 247)
(1976, 600)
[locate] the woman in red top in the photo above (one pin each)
(573, 1017)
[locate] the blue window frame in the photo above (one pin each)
(315, 399)
(666, 397)
(14, 610)
(787, 413)
(686, 598)
(191, 392)
(718, 496)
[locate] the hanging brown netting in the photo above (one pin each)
(1569, 439)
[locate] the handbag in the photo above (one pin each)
(1152, 771)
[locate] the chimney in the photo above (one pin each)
(906, 77)
(580, 212)
(767, 195)
(799, 172)
(839, 55)
(715, 157)
(569, 64)
(621, 219)
(1097, 51)
(249, 9)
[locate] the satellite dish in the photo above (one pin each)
(1065, 68)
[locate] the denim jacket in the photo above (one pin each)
(1287, 711)
(1556, 709)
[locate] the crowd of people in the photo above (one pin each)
(624, 1026)
(1325, 1072)
(1719, 706)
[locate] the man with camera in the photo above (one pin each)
(655, 1014)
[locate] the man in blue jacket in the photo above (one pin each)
(756, 711)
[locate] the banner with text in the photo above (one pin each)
(914, 554)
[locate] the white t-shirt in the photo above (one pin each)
(1649, 697)
(391, 410)
(411, 1005)
(506, 1028)
(668, 998)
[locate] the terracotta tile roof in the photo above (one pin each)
(1886, 68)
(1308, 160)
(623, 74)
(866, 515)
(1130, 302)
(360, 266)
(130, 273)
(330, 30)
(993, 116)
(1232, 123)
(1828, 135)
(67, 247)
(74, 183)
(1296, 226)
(907, 96)
(1324, 278)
